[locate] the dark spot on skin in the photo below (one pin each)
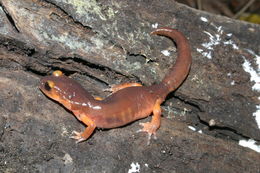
(47, 86)
(109, 120)
(112, 120)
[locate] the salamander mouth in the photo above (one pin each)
(41, 86)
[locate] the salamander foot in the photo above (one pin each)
(150, 128)
(78, 136)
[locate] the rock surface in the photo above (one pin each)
(100, 43)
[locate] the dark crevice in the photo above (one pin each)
(10, 19)
(30, 52)
(150, 60)
(34, 71)
(48, 72)
(94, 66)
(136, 54)
(84, 62)
(215, 127)
(192, 104)
(136, 79)
(2, 128)
(132, 57)
(95, 78)
(17, 46)
(221, 128)
(68, 72)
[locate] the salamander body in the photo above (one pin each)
(128, 102)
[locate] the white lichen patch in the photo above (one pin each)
(155, 25)
(75, 43)
(200, 131)
(250, 144)
(209, 46)
(204, 19)
(192, 128)
(85, 8)
(166, 52)
(67, 159)
(199, 50)
(64, 131)
(256, 114)
(207, 54)
(111, 13)
(135, 167)
(67, 40)
(229, 34)
(214, 40)
(98, 42)
(254, 77)
(230, 42)
(257, 57)
(254, 74)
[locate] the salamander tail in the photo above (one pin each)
(179, 71)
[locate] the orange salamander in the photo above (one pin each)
(128, 102)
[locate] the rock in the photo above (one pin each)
(108, 42)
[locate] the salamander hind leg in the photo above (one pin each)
(151, 127)
(115, 88)
(82, 136)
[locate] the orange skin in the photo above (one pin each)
(128, 102)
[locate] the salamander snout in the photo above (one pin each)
(48, 84)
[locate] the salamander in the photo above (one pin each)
(128, 102)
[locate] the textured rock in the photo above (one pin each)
(108, 42)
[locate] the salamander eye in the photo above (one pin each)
(48, 85)
(57, 73)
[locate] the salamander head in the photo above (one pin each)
(64, 89)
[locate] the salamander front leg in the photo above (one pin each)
(98, 98)
(115, 88)
(151, 127)
(81, 136)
